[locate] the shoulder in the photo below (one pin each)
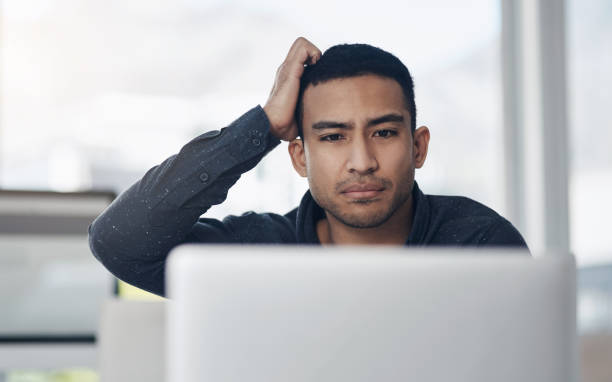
(458, 206)
(468, 222)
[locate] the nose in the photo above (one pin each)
(362, 159)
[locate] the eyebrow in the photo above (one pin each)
(331, 125)
(391, 117)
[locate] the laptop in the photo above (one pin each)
(276, 313)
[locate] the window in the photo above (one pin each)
(590, 84)
(94, 93)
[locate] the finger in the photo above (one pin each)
(306, 56)
(294, 67)
(297, 44)
(313, 56)
(303, 51)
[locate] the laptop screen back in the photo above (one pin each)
(369, 314)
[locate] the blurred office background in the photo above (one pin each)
(93, 93)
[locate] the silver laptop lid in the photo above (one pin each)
(244, 313)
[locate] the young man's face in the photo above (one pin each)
(358, 151)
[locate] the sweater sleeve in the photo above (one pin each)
(134, 235)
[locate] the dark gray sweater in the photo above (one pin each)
(134, 235)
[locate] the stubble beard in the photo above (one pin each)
(366, 220)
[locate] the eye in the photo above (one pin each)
(385, 133)
(331, 137)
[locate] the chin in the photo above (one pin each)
(364, 220)
(358, 213)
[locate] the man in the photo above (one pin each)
(354, 109)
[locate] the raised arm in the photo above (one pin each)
(134, 235)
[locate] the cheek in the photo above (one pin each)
(321, 162)
(395, 158)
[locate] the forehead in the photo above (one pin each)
(353, 98)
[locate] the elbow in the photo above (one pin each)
(112, 252)
(99, 245)
(95, 242)
(99, 241)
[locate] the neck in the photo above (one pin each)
(394, 231)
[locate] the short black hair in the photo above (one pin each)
(353, 60)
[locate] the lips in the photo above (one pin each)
(363, 191)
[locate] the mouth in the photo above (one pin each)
(363, 191)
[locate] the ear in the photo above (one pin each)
(298, 156)
(421, 144)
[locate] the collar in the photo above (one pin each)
(309, 212)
